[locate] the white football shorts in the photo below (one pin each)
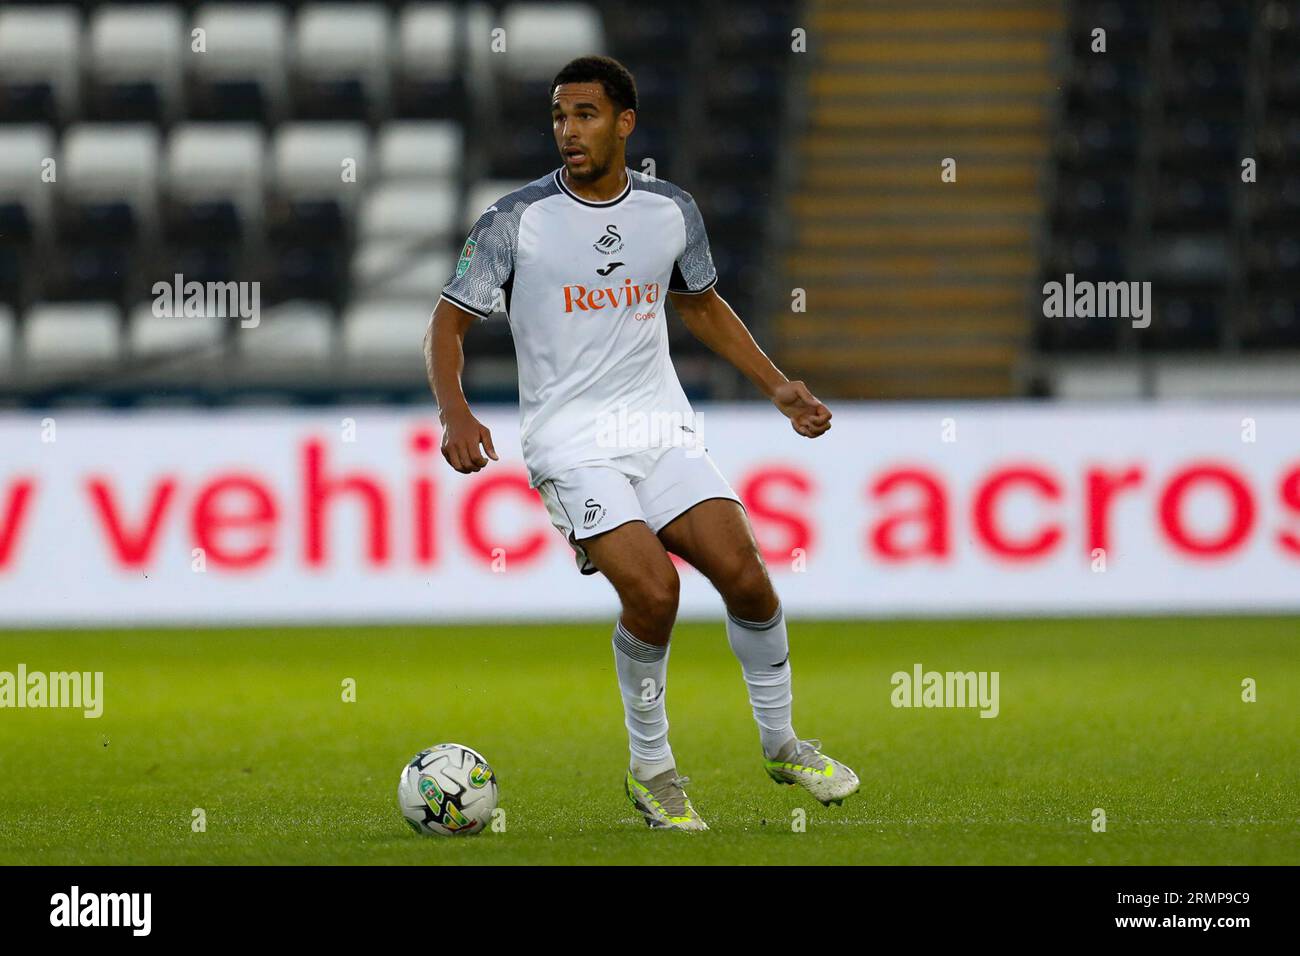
(654, 486)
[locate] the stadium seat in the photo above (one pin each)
(150, 335)
(40, 53)
(318, 174)
(341, 54)
(106, 206)
(215, 179)
(109, 178)
(25, 199)
(136, 62)
(295, 334)
(242, 75)
(397, 268)
(409, 210)
(61, 335)
(309, 160)
(386, 333)
(434, 71)
(544, 36)
(541, 39)
(419, 150)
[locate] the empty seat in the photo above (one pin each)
(24, 195)
(426, 41)
(295, 333)
(243, 73)
(136, 61)
(215, 167)
(311, 159)
(400, 269)
(545, 36)
(40, 52)
(431, 64)
(386, 331)
(70, 333)
(151, 335)
(342, 55)
(113, 168)
(319, 172)
(419, 150)
(409, 210)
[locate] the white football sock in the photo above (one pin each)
(642, 669)
(764, 655)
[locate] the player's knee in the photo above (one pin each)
(750, 595)
(655, 595)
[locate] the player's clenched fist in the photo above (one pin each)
(462, 436)
(807, 415)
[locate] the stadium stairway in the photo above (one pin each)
(917, 286)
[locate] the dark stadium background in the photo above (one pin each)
(816, 171)
(333, 157)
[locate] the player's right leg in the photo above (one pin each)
(639, 568)
(617, 542)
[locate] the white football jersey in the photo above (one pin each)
(585, 286)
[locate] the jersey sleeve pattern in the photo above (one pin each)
(694, 271)
(487, 259)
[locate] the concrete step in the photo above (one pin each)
(933, 238)
(884, 269)
(943, 200)
(869, 51)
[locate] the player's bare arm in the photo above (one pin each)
(715, 323)
(463, 435)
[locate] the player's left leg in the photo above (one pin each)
(697, 517)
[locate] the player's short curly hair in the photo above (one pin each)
(611, 74)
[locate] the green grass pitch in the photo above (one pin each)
(1143, 718)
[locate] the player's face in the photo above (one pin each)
(588, 130)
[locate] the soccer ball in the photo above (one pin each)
(447, 790)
